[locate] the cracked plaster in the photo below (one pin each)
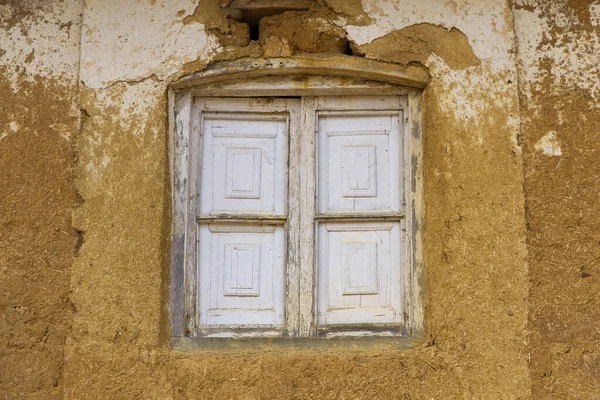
(32, 48)
(141, 40)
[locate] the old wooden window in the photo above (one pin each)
(298, 215)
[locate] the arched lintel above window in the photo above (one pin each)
(228, 73)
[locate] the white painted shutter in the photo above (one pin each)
(244, 161)
(243, 175)
(241, 274)
(359, 256)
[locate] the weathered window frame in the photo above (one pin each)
(308, 78)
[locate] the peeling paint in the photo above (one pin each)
(573, 59)
(595, 13)
(50, 26)
(140, 41)
(485, 23)
(415, 43)
(549, 144)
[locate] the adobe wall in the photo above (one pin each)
(103, 270)
(39, 57)
(475, 240)
(85, 211)
(559, 75)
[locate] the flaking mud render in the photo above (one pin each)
(511, 235)
(559, 71)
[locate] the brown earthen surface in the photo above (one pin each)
(37, 240)
(352, 10)
(563, 205)
(305, 32)
(476, 312)
(477, 343)
(415, 43)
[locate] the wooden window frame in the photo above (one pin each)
(300, 329)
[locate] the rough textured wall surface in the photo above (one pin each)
(475, 241)
(559, 70)
(39, 54)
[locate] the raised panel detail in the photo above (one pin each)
(241, 269)
(359, 165)
(359, 171)
(242, 175)
(241, 275)
(359, 272)
(359, 268)
(243, 164)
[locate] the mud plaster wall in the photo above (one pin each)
(559, 59)
(477, 285)
(39, 54)
(117, 285)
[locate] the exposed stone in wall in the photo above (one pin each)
(351, 10)
(274, 46)
(238, 34)
(280, 35)
(209, 14)
(304, 32)
(559, 69)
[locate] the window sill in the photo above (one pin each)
(370, 343)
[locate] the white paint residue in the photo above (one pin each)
(595, 13)
(549, 144)
(469, 95)
(486, 24)
(574, 55)
(13, 127)
(53, 33)
(130, 107)
(138, 41)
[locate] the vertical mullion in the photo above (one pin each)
(191, 273)
(292, 296)
(307, 215)
(179, 153)
(415, 216)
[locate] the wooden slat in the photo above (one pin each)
(245, 5)
(251, 11)
(415, 304)
(191, 276)
(308, 64)
(242, 218)
(298, 85)
(339, 217)
(307, 214)
(178, 149)
(294, 242)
